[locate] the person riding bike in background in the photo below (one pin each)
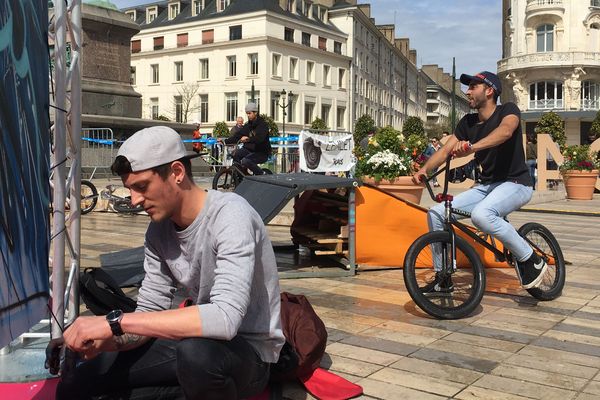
(255, 138)
(494, 135)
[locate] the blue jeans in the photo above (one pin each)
(532, 164)
(488, 205)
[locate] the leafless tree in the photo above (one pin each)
(188, 104)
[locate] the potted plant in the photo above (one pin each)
(390, 160)
(580, 171)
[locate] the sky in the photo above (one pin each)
(469, 30)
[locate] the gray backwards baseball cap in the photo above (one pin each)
(152, 147)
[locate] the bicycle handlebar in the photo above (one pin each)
(426, 180)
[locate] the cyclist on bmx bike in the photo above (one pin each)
(494, 135)
(255, 138)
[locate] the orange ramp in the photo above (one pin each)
(387, 225)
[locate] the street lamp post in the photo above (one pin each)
(284, 105)
(286, 99)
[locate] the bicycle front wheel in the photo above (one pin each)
(89, 196)
(224, 180)
(546, 246)
(464, 290)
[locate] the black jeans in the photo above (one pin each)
(250, 160)
(194, 368)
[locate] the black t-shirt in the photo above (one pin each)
(505, 162)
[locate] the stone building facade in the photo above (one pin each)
(200, 59)
(551, 61)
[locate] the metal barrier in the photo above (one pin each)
(97, 149)
(285, 158)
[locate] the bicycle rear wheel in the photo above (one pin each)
(89, 196)
(224, 180)
(124, 206)
(468, 280)
(546, 246)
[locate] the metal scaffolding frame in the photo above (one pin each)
(65, 27)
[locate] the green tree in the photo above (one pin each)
(413, 126)
(415, 137)
(364, 125)
(273, 128)
(553, 125)
(318, 124)
(221, 130)
(595, 129)
(162, 118)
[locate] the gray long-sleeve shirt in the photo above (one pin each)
(225, 261)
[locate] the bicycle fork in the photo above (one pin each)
(450, 229)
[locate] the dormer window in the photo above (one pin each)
(198, 6)
(173, 10)
(222, 5)
(151, 13)
(319, 13)
(291, 6)
(131, 15)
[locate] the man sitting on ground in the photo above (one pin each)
(215, 246)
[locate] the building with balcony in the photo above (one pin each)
(439, 97)
(200, 59)
(386, 83)
(551, 61)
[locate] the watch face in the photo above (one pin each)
(114, 315)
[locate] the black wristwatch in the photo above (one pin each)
(114, 320)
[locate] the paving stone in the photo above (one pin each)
(388, 334)
(435, 370)
(541, 377)
(456, 360)
(593, 387)
(417, 381)
(580, 328)
(470, 350)
(477, 393)
(484, 342)
(586, 396)
(560, 355)
(498, 334)
(388, 346)
(362, 354)
(521, 388)
(573, 337)
(348, 365)
(414, 329)
(389, 391)
(551, 364)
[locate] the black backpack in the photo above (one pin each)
(101, 294)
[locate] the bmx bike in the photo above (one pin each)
(458, 261)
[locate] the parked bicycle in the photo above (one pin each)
(120, 204)
(89, 193)
(231, 173)
(459, 261)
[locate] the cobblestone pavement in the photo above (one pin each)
(511, 348)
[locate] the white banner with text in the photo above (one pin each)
(326, 151)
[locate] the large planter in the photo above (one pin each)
(580, 184)
(402, 187)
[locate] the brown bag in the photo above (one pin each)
(306, 338)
